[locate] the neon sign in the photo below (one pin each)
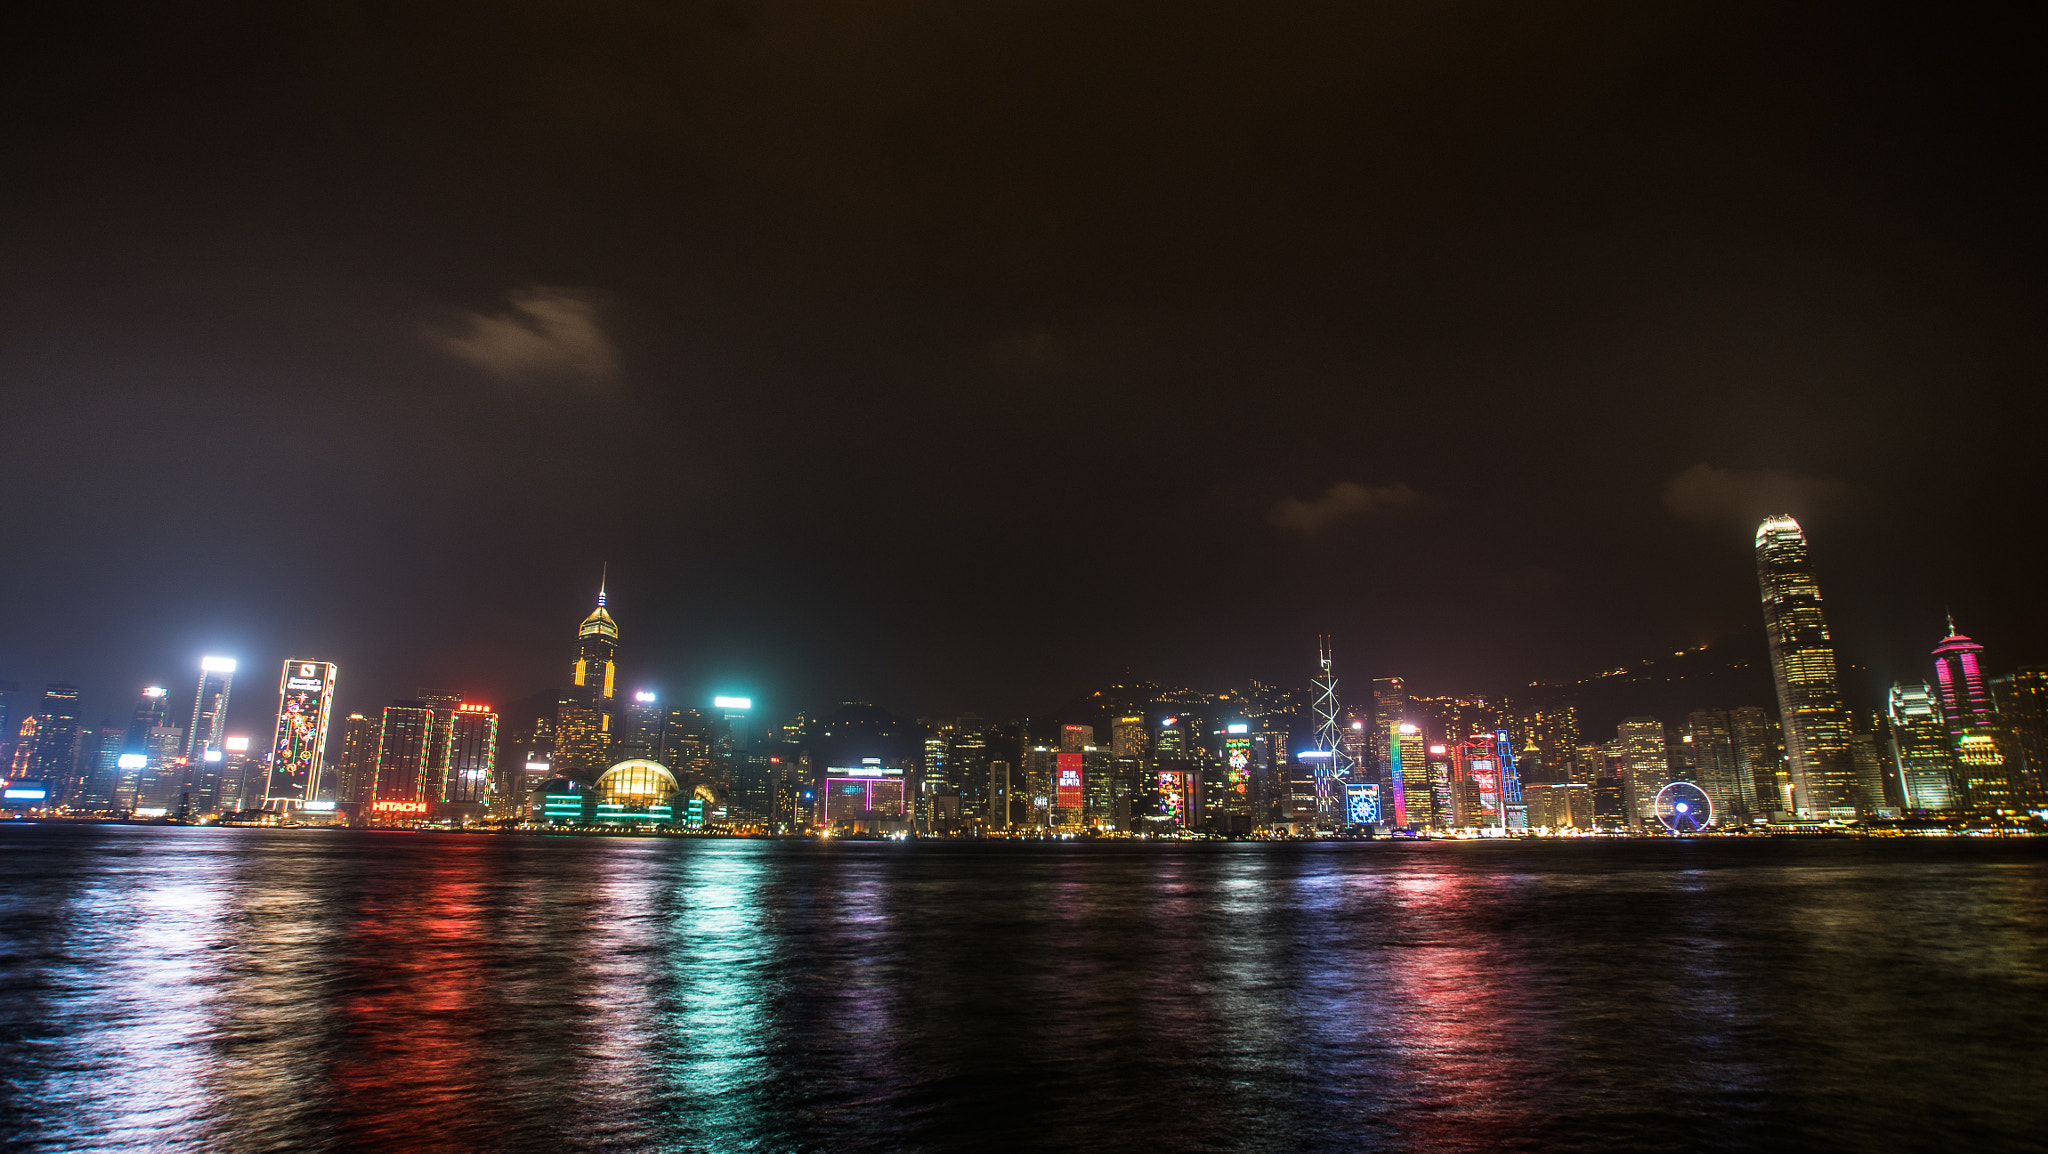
(412, 807)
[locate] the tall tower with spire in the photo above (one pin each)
(583, 712)
(597, 648)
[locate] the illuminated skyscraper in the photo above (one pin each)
(1645, 769)
(1127, 737)
(1414, 802)
(53, 757)
(305, 701)
(1972, 721)
(2022, 699)
(583, 716)
(639, 729)
(1389, 710)
(469, 751)
(355, 770)
(597, 651)
(1710, 737)
(1803, 665)
(209, 707)
(405, 748)
(1921, 757)
(1754, 734)
(152, 712)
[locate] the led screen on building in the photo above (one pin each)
(305, 697)
(1237, 761)
(1361, 803)
(1485, 779)
(1169, 795)
(1067, 776)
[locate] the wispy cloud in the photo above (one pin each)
(550, 334)
(1706, 494)
(1343, 501)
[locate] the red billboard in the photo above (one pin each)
(1067, 775)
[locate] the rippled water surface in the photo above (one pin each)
(241, 989)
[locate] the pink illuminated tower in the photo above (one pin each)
(1972, 719)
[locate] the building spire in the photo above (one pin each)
(1951, 621)
(603, 575)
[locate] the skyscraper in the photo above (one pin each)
(405, 746)
(1972, 721)
(1921, 757)
(209, 707)
(468, 751)
(1803, 665)
(1389, 710)
(1127, 736)
(1711, 737)
(2022, 700)
(583, 716)
(305, 700)
(56, 740)
(638, 733)
(1755, 737)
(355, 770)
(1645, 769)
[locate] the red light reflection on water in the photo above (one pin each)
(1454, 994)
(410, 1009)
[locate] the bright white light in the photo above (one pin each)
(1406, 727)
(643, 696)
(1682, 807)
(133, 761)
(733, 702)
(318, 807)
(213, 755)
(237, 744)
(537, 767)
(217, 664)
(871, 761)
(1240, 728)
(1313, 753)
(153, 691)
(151, 811)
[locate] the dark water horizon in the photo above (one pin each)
(244, 989)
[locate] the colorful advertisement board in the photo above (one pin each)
(1361, 803)
(1485, 779)
(305, 698)
(1067, 779)
(1237, 763)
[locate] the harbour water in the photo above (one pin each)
(234, 989)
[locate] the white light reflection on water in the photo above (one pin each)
(124, 999)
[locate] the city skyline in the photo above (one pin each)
(1248, 759)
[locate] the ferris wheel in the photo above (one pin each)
(1684, 807)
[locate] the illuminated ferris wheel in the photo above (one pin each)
(1684, 807)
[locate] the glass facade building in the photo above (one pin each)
(1803, 668)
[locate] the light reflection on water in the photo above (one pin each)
(237, 989)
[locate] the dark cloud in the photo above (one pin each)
(551, 334)
(1341, 502)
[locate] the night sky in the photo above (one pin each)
(971, 356)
